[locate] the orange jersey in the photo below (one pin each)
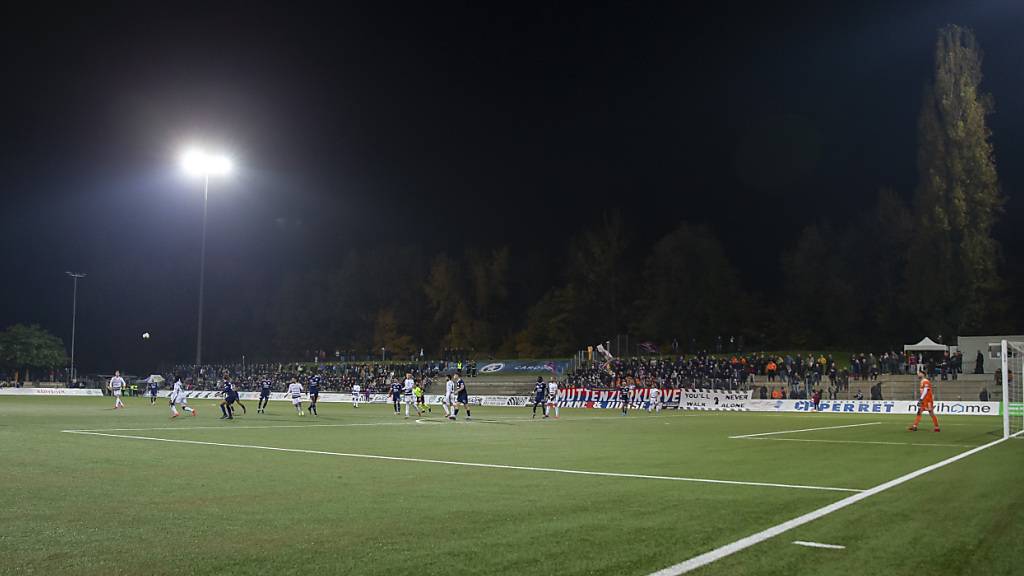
(926, 391)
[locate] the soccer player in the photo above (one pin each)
(461, 397)
(624, 399)
(421, 404)
(314, 393)
(408, 396)
(178, 397)
(153, 389)
(115, 386)
(448, 400)
(539, 396)
(925, 402)
(654, 404)
(553, 396)
(355, 395)
(396, 396)
(266, 385)
(295, 390)
(226, 405)
(238, 398)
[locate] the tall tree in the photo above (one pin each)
(30, 347)
(819, 306)
(953, 276)
(592, 304)
(690, 290)
(598, 275)
(388, 334)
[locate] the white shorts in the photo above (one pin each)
(447, 399)
(180, 399)
(410, 399)
(117, 392)
(296, 401)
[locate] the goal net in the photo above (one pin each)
(1011, 355)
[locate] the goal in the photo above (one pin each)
(1011, 356)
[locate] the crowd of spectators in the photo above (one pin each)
(372, 377)
(800, 373)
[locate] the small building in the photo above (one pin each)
(969, 346)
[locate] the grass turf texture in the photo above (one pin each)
(79, 504)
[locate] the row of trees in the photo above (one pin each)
(928, 266)
(27, 348)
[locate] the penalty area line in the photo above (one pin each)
(864, 442)
(744, 543)
(818, 545)
(806, 430)
(470, 464)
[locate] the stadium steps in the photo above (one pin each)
(965, 387)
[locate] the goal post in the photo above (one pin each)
(1011, 355)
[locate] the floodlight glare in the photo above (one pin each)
(195, 162)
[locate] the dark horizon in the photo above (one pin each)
(453, 129)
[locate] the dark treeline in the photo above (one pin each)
(925, 262)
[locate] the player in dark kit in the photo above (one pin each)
(153, 388)
(314, 393)
(265, 386)
(461, 396)
(539, 393)
(624, 399)
(238, 399)
(226, 408)
(396, 396)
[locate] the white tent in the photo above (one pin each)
(925, 345)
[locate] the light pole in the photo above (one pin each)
(74, 316)
(196, 162)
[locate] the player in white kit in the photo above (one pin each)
(356, 389)
(408, 397)
(295, 391)
(553, 396)
(115, 386)
(448, 400)
(654, 403)
(178, 397)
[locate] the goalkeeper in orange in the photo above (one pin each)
(925, 402)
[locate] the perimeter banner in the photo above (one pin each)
(957, 408)
(685, 399)
(523, 367)
(50, 392)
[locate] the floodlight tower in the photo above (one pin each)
(74, 316)
(197, 163)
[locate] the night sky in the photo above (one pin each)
(463, 125)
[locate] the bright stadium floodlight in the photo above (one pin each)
(196, 162)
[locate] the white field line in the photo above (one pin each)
(806, 430)
(864, 442)
(471, 464)
(231, 427)
(744, 543)
(818, 545)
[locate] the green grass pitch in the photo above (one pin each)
(220, 502)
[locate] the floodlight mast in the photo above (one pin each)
(195, 162)
(74, 316)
